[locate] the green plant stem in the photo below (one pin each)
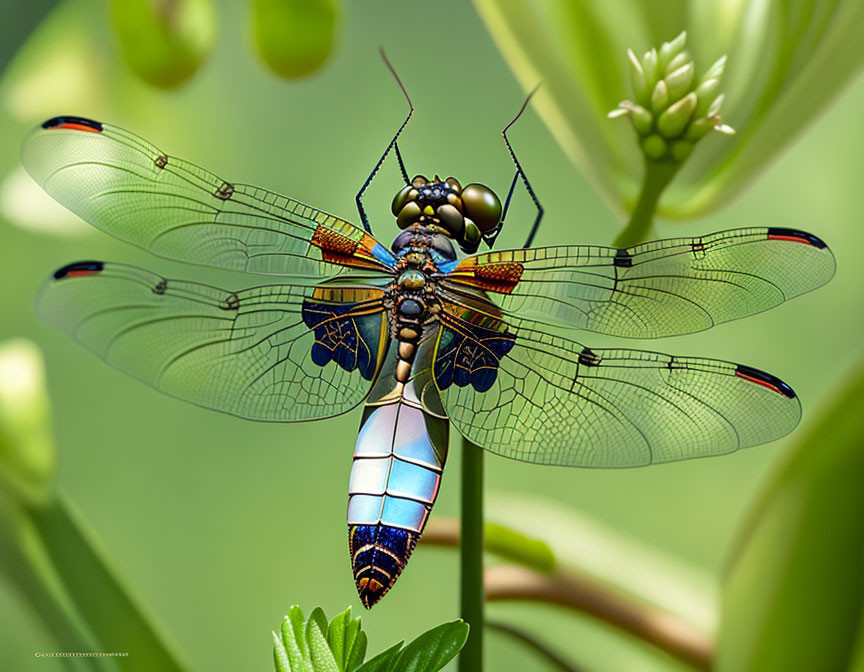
(115, 617)
(497, 540)
(471, 556)
(24, 562)
(656, 177)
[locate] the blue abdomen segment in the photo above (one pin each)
(398, 460)
(378, 556)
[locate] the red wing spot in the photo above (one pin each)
(73, 123)
(78, 127)
(79, 269)
(763, 383)
(757, 381)
(796, 236)
(790, 238)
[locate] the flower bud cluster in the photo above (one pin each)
(672, 110)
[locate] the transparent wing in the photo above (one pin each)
(274, 353)
(661, 288)
(129, 188)
(531, 396)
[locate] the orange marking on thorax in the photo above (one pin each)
(501, 277)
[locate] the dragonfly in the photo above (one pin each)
(425, 334)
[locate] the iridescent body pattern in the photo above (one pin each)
(419, 337)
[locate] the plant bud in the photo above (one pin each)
(673, 110)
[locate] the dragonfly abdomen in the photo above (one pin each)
(398, 461)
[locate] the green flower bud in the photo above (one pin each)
(654, 147)
(660, 96)
(673, 121)
(714, 108)
(27, 458)
(674, 109)
(164, 43)
(678, 81)
(295, 37)
(642, 119)
(649, 67)
(716, 70)
(679, 61)
(698, 129)
(681, 150)
(669, 50)
(706, 92)
(637, 78)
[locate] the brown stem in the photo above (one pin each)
(569, 589)
(441, 531)
(572, 590)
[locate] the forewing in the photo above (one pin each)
(553, 401)
(280, 353)
(661, 288)
(129, 188)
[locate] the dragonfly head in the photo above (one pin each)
(466, 214)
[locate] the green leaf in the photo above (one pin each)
(280, 655)
(293, 637)
(105, 603)
(384, 661)
(27, 458)
(294, 37)
(433, 649)
(793, 596)
(358, 651)
(319, 651)
(336, 637)
(26, 566)
(319, 618)
(346, 643)
(164, 42)
(314, 645)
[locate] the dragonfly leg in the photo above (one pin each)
(521, 173)
(359, 198)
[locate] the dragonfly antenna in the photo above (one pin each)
(521, 173)
(359, 198)
(395, 76)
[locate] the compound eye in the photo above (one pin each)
(451, 219)
(400, 199)
(419, 181)
(454, 184)
(408, 215)
(471, 240)
(482, 206)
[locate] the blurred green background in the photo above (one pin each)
(220, 524)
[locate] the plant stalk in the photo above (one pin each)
(471, 556)
(657, 176)
(102, 599)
